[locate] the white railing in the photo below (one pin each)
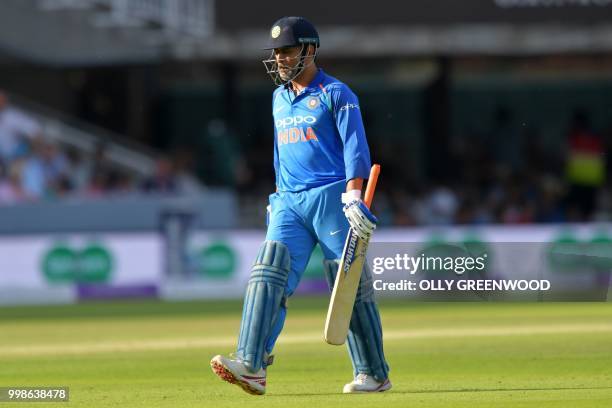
(69, 131)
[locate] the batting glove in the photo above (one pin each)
(359, 216)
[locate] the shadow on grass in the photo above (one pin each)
(459, 390)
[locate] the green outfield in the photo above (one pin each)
(153, 354)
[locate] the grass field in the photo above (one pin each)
(153, 354)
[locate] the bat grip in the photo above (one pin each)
(371, 187)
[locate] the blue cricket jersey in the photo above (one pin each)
(318, 135)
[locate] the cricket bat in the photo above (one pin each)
(348, 276)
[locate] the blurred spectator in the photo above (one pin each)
(44, 171)
(473, 208)
(585, 166)
(54, 161)
(16, 128)
(164, 179)
(32, 168)
(404, 207)
(79, 171)
(33, 178)
(97, 184)
(99, 162)
(62, 187)
(118, 183)
(101, 178)
(10, 186)
(441, 205)
(184, 166)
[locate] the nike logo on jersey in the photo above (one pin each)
(334, 232)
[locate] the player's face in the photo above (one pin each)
(287, 59)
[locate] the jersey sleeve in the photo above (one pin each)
(349, 123)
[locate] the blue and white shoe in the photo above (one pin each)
(364, 383)
(234, 371)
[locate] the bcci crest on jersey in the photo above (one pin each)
(313, 102)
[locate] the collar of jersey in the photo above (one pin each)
(314, 84)
(318, 79)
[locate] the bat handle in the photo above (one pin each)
(371, 187)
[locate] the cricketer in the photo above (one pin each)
(321, 158)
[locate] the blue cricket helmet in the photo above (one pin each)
(292, 31)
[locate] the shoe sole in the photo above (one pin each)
(383, 389)
(366, 392)
(226, 375)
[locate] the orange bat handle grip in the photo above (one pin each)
(371, 187)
